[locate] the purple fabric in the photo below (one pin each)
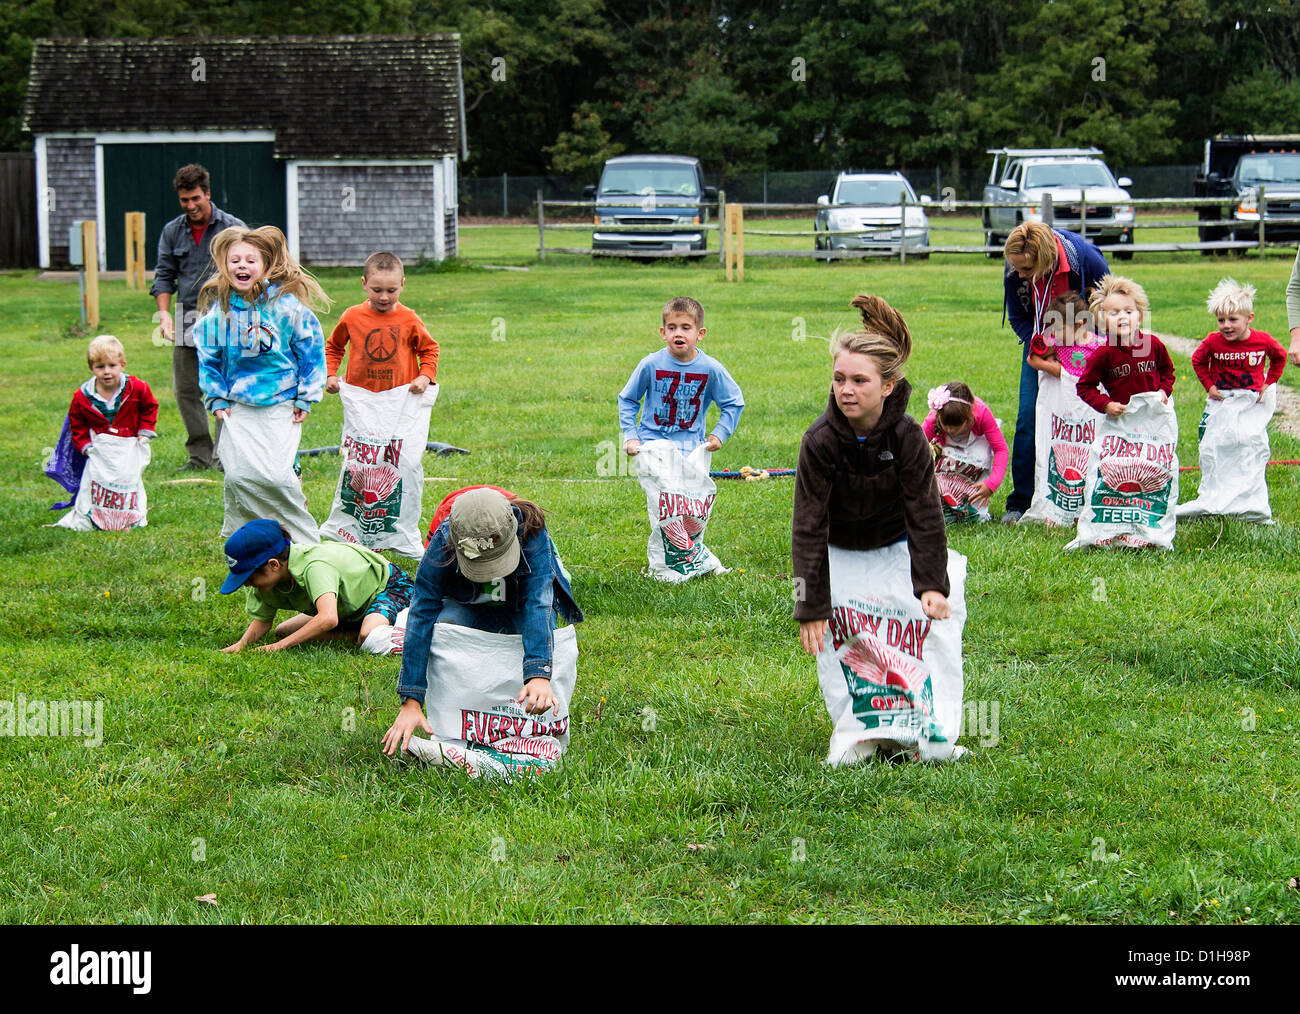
(66, 465)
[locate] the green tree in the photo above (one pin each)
(582, 151)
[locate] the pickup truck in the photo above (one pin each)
(1078, 181)
(1236, 168)
(665, 191)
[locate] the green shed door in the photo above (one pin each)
(247, 181)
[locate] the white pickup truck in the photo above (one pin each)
(1082, 188)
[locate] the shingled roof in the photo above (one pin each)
(342, 96)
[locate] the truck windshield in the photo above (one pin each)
(649, 179)
(1082, 174)
(872, 192)
(1281, 167)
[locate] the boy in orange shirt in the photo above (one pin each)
(390, 345)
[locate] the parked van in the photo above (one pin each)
(658, 190)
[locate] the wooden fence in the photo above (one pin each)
(734, 247)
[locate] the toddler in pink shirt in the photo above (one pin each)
(970, 451)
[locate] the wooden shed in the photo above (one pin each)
(350, 144)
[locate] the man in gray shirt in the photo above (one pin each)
(184, 264)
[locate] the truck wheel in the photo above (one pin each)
(1123, 255)
(991, 240)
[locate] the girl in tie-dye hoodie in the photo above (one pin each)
(261, 357)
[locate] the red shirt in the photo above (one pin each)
(1232, 366)
(444, 508)
(137, 411)
(1124, 372)
(197, 232)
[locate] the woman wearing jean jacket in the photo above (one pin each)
(491, 566)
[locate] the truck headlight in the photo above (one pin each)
(1124, 211)
(1248, 207)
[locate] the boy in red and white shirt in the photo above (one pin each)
(111, 401)
(1132, 361)
(1233, 358)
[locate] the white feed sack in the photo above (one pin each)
(1132, 480)
(257, 448)
(381, 482)
(1064, 430)
(475, 678)
(891, 677)
(956, 471)
(1234, 457)
(679, 497)
(111, 496)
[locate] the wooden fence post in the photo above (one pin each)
(541, 228)
(135, 249)
(734, 229)
(1261, 206)
(722, 228)
(902, 230)
(90, 259)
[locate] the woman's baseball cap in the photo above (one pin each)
(249, 548)
(482, 528)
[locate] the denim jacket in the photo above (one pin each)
(537, 588)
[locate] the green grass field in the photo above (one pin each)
(1144, 767)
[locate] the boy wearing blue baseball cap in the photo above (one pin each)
(336, 588)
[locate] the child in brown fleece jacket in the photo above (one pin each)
(866, 475)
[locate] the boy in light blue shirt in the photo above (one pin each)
(675, 386)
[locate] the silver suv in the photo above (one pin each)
(869, 208)
(1077, 179)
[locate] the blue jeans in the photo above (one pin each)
(1022, 449)
(495, 619)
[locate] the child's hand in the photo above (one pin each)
(712, 444)
(1213, 394)
(419, 385)
(1262, 391)
(812, 635)
(222, 413)
(408, 720)
(331, 385)
(632, 446)
(299, 414)
(1114, 409)
(935, 605)
(980, 495)
(1164, 397)
(233, 649)
(536, 696)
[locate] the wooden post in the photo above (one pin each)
(135, 249)
(902, 230)
(740, 242)
(1083, 212)
(734, 238)
(1261, 206)
(1049, 210)
(541, 228)
(90, 258)
(722, 228)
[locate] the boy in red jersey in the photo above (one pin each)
(1233, 357)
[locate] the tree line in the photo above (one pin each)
(753, 85)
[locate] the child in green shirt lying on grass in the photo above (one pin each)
(337, 589)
